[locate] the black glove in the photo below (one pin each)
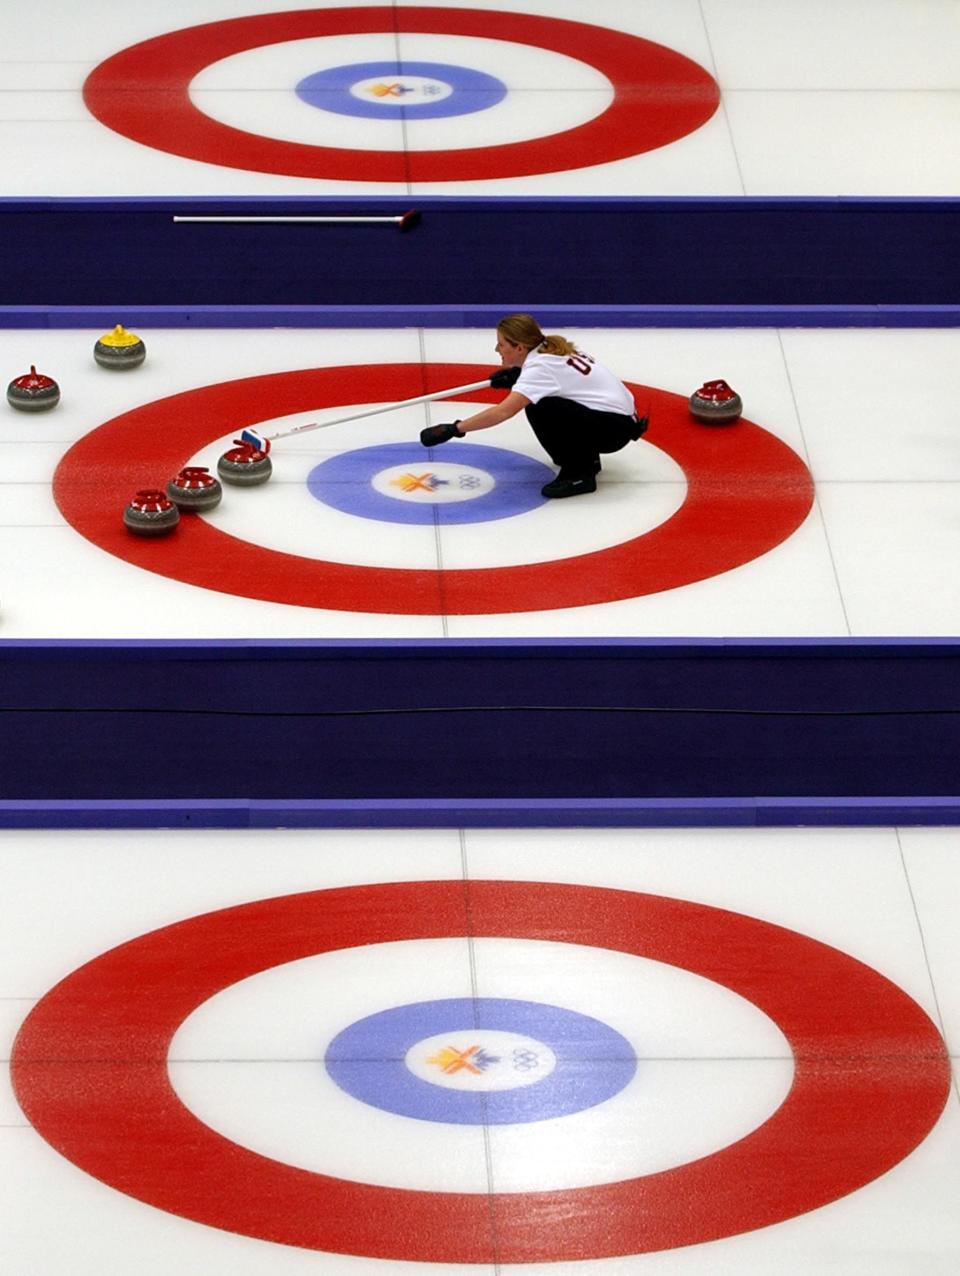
(504, 378)
(435, 434)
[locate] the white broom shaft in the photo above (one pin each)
(316, 221)
(388, 407)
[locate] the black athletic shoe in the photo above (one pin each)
(597, 467)
(570, 486)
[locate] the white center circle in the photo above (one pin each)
(253, 91)
(640, 488)
(433, 483)
(711, 1066)
(401, 90)
(480, 1059)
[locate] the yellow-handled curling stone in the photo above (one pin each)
(119, 350)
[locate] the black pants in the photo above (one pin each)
(574, 436)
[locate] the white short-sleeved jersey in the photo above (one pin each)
(575, 376)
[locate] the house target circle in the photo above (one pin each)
(679, 95)
(90, 1072)
(746, 493)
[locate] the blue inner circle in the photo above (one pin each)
(593, 1062)
(472, 90)
(344, 482)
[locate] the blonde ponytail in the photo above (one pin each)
(556, 344)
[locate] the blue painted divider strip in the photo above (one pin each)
(455, 648)
(487, 813)
(613, 731)
(390, 205)
(683, 251)
(481, 316)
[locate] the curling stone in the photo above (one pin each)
(151, 513)
(195, 488)
(33, 392)
(119, 350)
(244, 465)
(715, 404)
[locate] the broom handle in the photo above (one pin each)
(389, 407)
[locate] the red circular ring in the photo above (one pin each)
(746, 492)
(143, 93)
(871, 1077)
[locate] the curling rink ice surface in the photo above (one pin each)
(683, 1052)
(823, 97)
(830, 510)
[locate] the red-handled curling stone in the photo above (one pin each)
(151, 513)
(195, 488)
(33, 392)
(715, 404)
(244, 465)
